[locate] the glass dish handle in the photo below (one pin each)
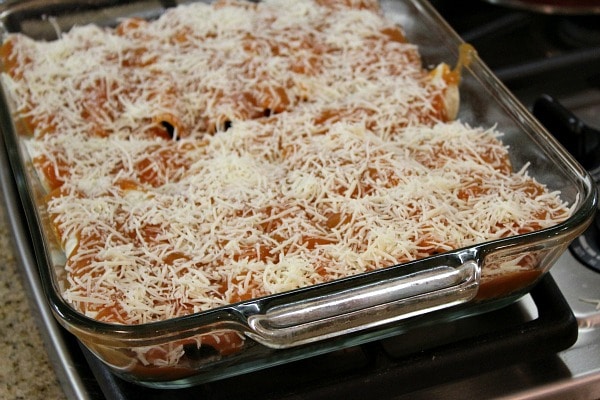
(366, 306)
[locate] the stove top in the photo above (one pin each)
(556, 328)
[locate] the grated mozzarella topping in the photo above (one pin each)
(224, 152)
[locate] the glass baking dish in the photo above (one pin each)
(301, 323)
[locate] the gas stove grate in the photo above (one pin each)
(444, 353)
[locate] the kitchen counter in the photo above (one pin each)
(26, 372)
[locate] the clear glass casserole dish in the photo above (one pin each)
(300, 323)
